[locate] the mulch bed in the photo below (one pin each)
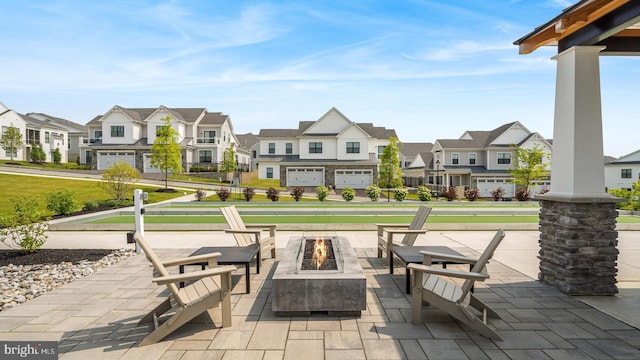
(51, 256)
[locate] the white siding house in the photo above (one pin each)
(332, 151)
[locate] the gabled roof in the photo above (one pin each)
(70, 126)
(303, 126)
(40, 124)
(246, 140)
(477, 139)
(94, 121)
(188, 115)
(215, 118)
(413, 149)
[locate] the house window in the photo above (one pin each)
(4, 129)
(455, 159)
(289, 148)
(205, 156)
(272, 148)
(504, 158)
(315, 148)
(8, 152)
(254, 154)
(209, 136)
(269, 173)
(159, 129)
(625, 173)
(117, 131)
(47, 137)
(380, 150)
(353, 147)
(97, 134)
(472, 159)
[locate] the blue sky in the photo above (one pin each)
(428, 69)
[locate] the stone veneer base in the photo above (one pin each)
(302, 293)
(578, 245)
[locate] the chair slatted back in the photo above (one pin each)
(233, 219)
(157, 265)
(416, 224)
(480, 265)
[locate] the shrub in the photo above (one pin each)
(200, 194)
(522, 195)
(118, 180)
(197, 168)
(472, 194)
(297, 192)
(424, 194)
(78, 160)
(273, 194)
(90, 205)
(373, 192)
(497, 193)
(248, 193)
(37, 154)
(322, 192)
(223, 194)
(62, 201)
(348, 193)
(400, 193)
(623, 194)
(25, 227)
(57, 156)
(543, 191)
(450, 194)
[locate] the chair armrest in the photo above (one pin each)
(407, 231)
(194, 275)
(449, 257)
(270, 227)
(447, 272)
(191, 259)
(231, 231)
(382, 227)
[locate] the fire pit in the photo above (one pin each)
(318, 273)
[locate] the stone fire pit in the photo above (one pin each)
(303, 284)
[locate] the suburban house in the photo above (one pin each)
(331, 151)
(249, 142)
(479, 159)
(621, 173)
(128, 133)
(414, 157)
(34, 132)
(75, 132)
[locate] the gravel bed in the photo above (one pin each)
(20, 282)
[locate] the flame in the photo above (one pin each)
(319, 253)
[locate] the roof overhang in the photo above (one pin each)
(614, 24)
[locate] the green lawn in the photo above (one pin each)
(319, 219)
(38, 187)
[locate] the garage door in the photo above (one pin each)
(356, 179)
(108, 158)
(486, 186)
(305, 176)
(147, 165)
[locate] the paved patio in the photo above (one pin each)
(96, 317)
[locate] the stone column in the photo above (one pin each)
(578, 240)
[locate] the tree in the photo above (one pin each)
(529, 166)
(11, 141)
(390, 172)
(118, 180)
(166, 152)
(229, 159)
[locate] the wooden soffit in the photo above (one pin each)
(613, 23)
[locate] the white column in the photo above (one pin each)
(577, 166)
